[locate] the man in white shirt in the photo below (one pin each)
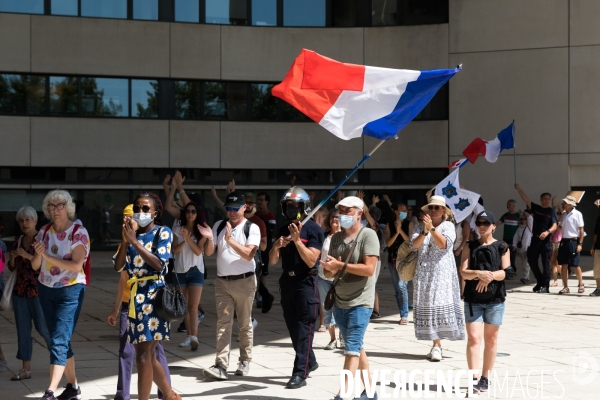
(237, 241)
(570, 245)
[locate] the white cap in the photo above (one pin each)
(351, 201)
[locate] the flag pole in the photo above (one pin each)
(339, 185)
(514, 151)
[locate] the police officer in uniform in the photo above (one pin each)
(299, 247)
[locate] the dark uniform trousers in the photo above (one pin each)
(300, 303)
(540, 249)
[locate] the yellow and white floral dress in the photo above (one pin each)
(147, 325)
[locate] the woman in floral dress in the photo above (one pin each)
(436, 298)
(146, 271)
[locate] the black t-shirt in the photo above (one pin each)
(311, 236)
(597, 233)
(543, 219)
(393, 249)
(470, 285)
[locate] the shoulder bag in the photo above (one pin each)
(330, 297)
(6, 303)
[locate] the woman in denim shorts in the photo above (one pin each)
(483, 309)
(188, 246)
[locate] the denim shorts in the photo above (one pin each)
(490, 314)
(191, 278)
(353, 324)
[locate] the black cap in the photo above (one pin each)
(235, 199)
(488, 216)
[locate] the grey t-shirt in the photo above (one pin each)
(353, 290)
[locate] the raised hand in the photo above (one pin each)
(205, 230)
(184, 233)
(339, 195)
(227, 232)
(40, 248)
(231, 186)
(167, 180)
(281, 242)
(374, 199)
(129, 233)
(360, 194)
(295, 231)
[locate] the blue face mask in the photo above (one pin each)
(403, 215)
(346, 221)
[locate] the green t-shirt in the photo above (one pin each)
(353, 290)
(511, 224)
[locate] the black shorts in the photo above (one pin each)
(567, 253)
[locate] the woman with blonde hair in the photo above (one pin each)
(436, 299)
(61, 250)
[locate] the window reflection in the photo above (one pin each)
(63, 7)
(144, 98)
(264, 12)
(383, 13)
(64, 94)
(416, 12)
(188, 103)
(304, 12)
(22, 6)
(214, 100)
(104, 8)
(291, 114)
(344, 13)
(145, 9)
(264, 105)
(187, 10)
(106, 97)
(230, 12)
(22, 94)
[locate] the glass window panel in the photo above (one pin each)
(101, 215)
(22, 94)
(422, 12)
(304, 12)
(64, 94)
(383, 13)
(230, 12)
(187, 10)
(22, 6)
(64, 7)
(144, 98)
(237, 101)
(145, 9)
(104, 8)
(437, 108)
(344, 13)
(264, 12)
(264, 105)
(106, 97)
(188, 100)
(215, 104)
(289, 113)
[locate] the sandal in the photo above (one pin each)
(564, 290)
(555, 284)
(581, 288)
(403, 321)
(375, 315)
(18, 377)
(322, 329)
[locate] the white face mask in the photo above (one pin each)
(143, 219)
(347, 221)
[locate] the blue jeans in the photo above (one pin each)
(490, 314)
(61, 308)
(193, 277)
(323, 286)
(353, 323)
(401, 290)
(27, 309)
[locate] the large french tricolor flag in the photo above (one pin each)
(351, 100)
(491, 150)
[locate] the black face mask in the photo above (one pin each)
(293, 212)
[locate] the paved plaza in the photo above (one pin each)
(547, 348)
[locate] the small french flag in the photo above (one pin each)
(458, 163)
(491, 150)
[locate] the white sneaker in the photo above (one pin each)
(254, 324)
(243, 368)
(436, 354)
(186, 342)
(194, 342)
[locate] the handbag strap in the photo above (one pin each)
(343, 270)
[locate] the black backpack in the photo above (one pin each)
(257, 258)
(486, 258)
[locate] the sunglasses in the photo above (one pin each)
(190, 211)
(483, 223)
(234, 209)
(59, 206)
(146, 209)
(434, 208)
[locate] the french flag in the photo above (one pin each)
(351, 100)
(491, 150)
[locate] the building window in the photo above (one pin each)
(22, 6)
(264, 105)
(422, 12)
(104, 8)
(344, 13)
(225, 100)
(264, 12)
(188, 100)
(64, 95)
(22, 94)
(187, 11)
(291, 114)
(145, 9)
(144, 98)
(383, 13)
(105, 97)
(232, 12)
(437, 109)
(303, 12)
(64, 7)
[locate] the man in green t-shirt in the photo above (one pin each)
(510, 220)
(355, 290)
